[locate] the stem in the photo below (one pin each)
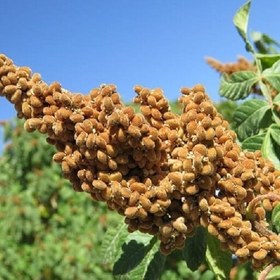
(266, 271)
(259, 65)
(262, 229)
(266, 93)
(256, 200)
(264, 89)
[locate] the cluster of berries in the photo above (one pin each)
(166, 173)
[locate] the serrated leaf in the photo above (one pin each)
(133, 251)
(272, 75)
(112, 242)
(238, 85)
(270, 149)
(250, 117)
(275, 218)
(219, 261)
(195, 248)
(253, 143)
(240, 21)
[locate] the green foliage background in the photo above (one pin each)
(47, 231)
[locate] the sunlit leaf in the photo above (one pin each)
(240, 21)
(238, 85)
(112, 242)
(253, 143)
(250, 117)
(272, 75)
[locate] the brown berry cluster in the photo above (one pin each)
(242, 64)
(166, 173)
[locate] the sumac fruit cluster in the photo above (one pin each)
(166, 173)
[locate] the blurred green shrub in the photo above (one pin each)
(47, 231)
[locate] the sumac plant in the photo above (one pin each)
(184, 182)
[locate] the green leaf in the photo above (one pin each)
(253, 143)
(275, 133)
(134, 250)
(238, 85)
(250, 117)
(207, 275)
(276, 100)
(270, 149)
(267, 60)
(240, 21)
(275, 218)
(274, 274)
(195, 248)
(272, 75)
(219, 261)
(112, 242)
(244, 271)
(264, 43)
(151, 267)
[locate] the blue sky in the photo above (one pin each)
(155, 43)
